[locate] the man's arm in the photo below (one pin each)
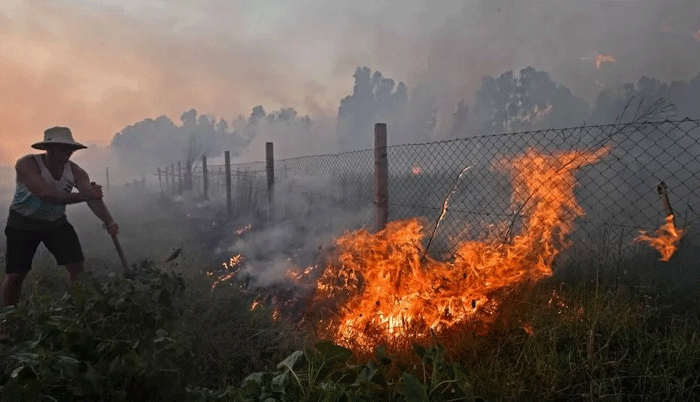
(28, 173)
(82, 183)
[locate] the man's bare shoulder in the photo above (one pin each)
(78, 172)
(27, 162)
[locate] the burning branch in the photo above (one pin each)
(667, 236)
(445, 206)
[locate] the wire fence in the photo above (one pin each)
(618, 192)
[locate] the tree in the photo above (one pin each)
(373, 99)
(531, 100)
(460, 119)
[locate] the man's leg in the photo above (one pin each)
(64, 244)
(75, 269)
(11, 288)
(21, 246)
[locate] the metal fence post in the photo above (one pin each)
(227, 161)
(270, 167)
(381, 176)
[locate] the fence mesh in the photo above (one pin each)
(618, 193)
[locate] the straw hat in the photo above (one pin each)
(58, 135)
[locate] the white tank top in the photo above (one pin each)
(31, 206)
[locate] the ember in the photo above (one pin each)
(666, 240)
(604, 58)
(228, 271)
(382, 287)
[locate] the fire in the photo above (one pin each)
(666, 240)
(416, 170)
(229, 270)
(387, 287)
(604, 58)
(242, 230)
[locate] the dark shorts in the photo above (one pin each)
(61, 241)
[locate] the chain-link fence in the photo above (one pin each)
(618, 192)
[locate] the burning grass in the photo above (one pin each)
(383, 288)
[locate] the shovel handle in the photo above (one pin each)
(118, 246)
(125, 265)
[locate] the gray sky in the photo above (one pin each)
(100, 65)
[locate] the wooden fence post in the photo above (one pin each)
(167, 180)
(227, 161)
(188, 175)
(205, 177)
(179, 178)
(172, 178)
(381, 176)
(107, 177)
(270, 167)
(160, 182)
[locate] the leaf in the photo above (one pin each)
(292, 361)
(419, 350)
(16, 372)
(331, 351)
(280, 381)
(253, 383)
(414, 390)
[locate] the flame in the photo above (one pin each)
(242, 230)
(386, 287)
(604, 58)
(299, 275)
(230, 269)
(666, 240)
(416, 170)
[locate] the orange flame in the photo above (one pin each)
(604, 58)
(230, 269)
(416, 170)
(666, 240)
(387, 290)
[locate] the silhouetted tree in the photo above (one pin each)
(529, 101)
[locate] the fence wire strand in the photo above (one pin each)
(618, 191)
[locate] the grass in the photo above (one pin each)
(582, 340)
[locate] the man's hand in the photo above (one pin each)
(112, 228)
(95, 191)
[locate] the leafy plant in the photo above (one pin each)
(325, 373)
(119, 340)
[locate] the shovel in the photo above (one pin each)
(128, 273)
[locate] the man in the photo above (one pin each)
(37, 213)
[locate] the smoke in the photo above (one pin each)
(310, 216)
(451, 46)
(97, 68)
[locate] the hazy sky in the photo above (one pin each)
(98, 66)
